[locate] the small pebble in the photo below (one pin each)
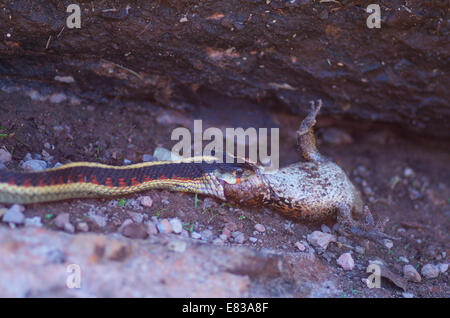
(61, 220)
(443, 267)
(403, 259)
(151, 228)
(136, 217)
(207, 235)
(236, 234)
(252, 239)
(300, 246)
(260, 228)
(223, 237)
(68, 227)
(346, 261)
(195, 235)
(146, 201)
(240, 238)
(176, 225)
(82, 227)
(218, 241)
(407, 295)
(64, 79)
(184, 233)
(5, 156)
(34, 165)
(408, 172)
(164, 226)
(226, 232)
(100, 220)
(388, 243)
(14, 214)
(411, 274)
(430, 271)
(33, 222)
(320, 239)
(57, 98)
(231, 226)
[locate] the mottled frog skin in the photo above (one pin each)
(309, 191)
(313, 191)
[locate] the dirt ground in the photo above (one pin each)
(403, 177)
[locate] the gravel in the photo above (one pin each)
(61, 220)
(5, 156)
(82, 227)
(33, 222)
(34, 165)
(177, 226)
(321, 239)
(14, 215)
(430, 271)
(301, 247)
(442, 267)
(207, 235)
(146, 201)
(346, 261)
(164, 226)
(260, 228)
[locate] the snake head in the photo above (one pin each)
(234, 173)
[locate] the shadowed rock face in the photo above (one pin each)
(282, 52)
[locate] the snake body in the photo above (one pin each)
(84, 180)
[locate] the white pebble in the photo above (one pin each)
(177, 226)
(346, 261)
(388, 243)
(408, 172)
(33, 222)
(321, 239)
(146, 201)
(443, 267)
(34, 165)
(430, 271)
(260, 228)
(83, 227)
(14, 214)
(300, 246)
(5, 156)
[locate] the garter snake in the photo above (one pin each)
(202, 175)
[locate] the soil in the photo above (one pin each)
(377, 158)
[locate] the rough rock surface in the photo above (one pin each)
(37, 262)
(275, 52)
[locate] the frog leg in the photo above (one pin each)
(367, 230)
(305, 135)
